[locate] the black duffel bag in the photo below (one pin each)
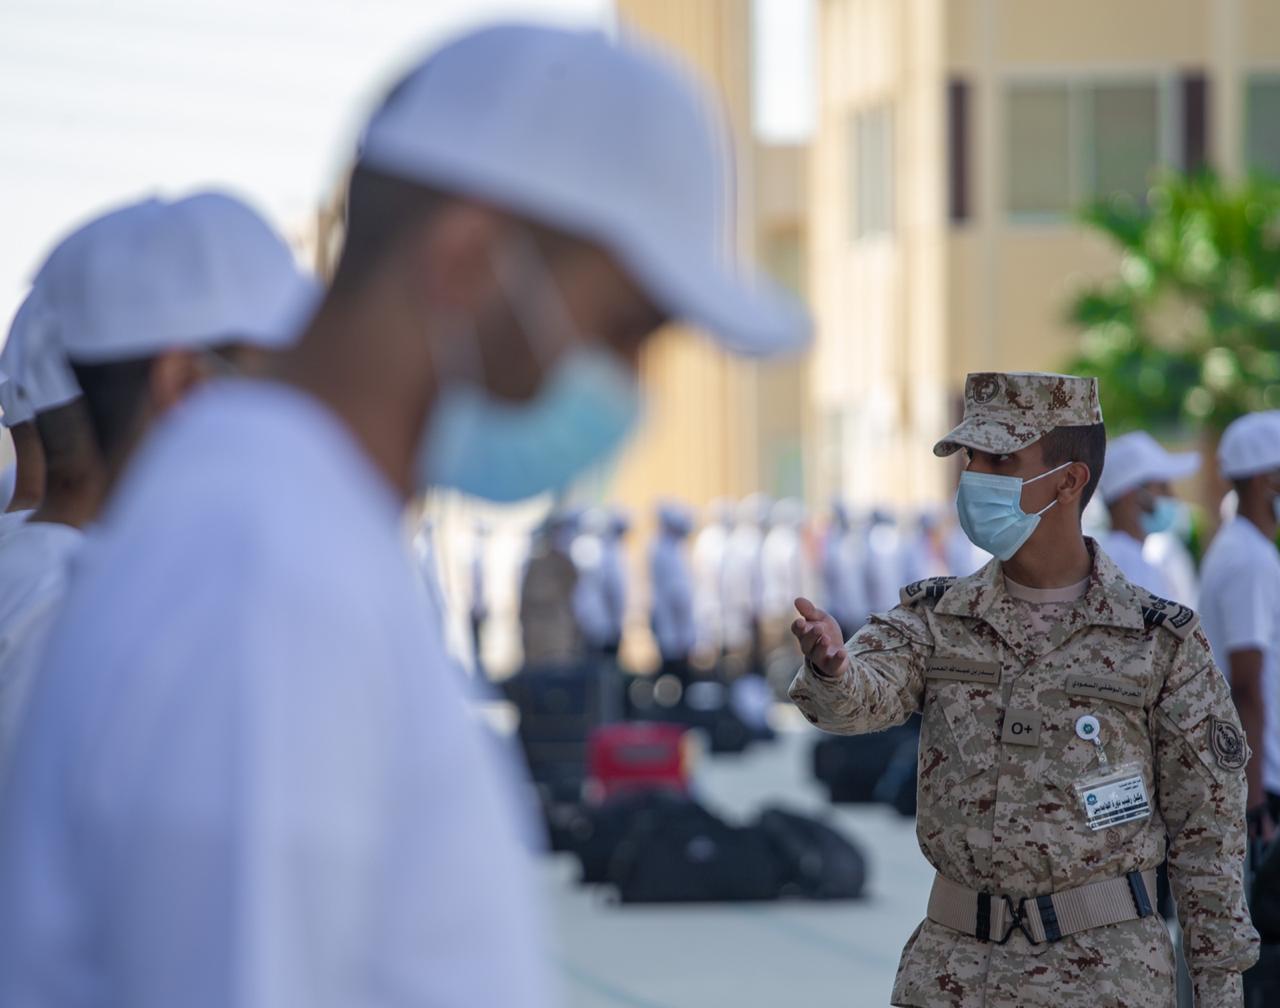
(816, 861)
(851, 765)
(684, 854)
(601, 830)
(897, 787)
(1264, 896)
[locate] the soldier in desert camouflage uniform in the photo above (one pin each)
(1073, 725)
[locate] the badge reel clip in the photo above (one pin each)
(1114, 794)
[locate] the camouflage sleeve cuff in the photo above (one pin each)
(1218, 989)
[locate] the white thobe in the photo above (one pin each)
(1240, 611)
(1126, 551)
(246, 776)
(34, 561)
(672, 586)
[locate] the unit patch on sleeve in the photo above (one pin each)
(1227, 743)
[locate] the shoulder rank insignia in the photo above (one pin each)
(928, 590)
(1172, 616)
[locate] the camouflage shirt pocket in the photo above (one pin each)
(960, 734)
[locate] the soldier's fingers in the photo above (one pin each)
(809, 611)
(815, 632)
(810, 640)
(818, 650)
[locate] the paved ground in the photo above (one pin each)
(749, 956)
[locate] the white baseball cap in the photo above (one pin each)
(1250, 445)
(14, 409)
(14, 403)
(1138, 458)
(605, 140)
(37, 373)
(159, 275)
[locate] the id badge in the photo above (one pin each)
(1113, 796)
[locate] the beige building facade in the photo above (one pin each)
(955, 139)
(719, 426)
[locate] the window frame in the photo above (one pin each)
(860, 118)
(1268, 73)
(1081, 137)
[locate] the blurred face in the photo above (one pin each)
(1149, 494)
(1270, 486)
(533, 341)
(547, 302)
(175, 374)
(246, 359)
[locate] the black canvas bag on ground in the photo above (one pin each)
(1264, 895)
(897, 787)
(851, 765)
(726, 732)
(685, 854)
(602, 829)
(816, 861)
(1262, 980)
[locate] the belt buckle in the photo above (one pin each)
(1017, 921)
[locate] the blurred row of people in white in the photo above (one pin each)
(704, 585)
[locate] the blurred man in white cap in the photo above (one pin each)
(157, 296)
(248, 775)
(34, 555)
(710, 550)
(551, 631)
(671, 588)
(138, 302)
(884, 561)
(784, 566)
(744, 578)
(16, 414)
(844, 583)
(924, 552)
(599, 594)
(1240, 602)
(617, 580)
(1136, 489)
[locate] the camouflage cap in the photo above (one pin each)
(1006, 411)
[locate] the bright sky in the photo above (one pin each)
(105, 100)
(782, 34)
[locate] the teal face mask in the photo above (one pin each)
(1162, 517)
(990, 511)
(504, 451)
(510, 451)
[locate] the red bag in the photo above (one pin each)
(637, 756)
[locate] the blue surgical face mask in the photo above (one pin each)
(1162, 517)
(505, 451)
(510, 451)
(990, 511)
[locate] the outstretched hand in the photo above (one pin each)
(820, 639)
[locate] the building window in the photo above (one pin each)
(1125, 140)
(1069, 142)
(1039, 140)
(1262, 124)
(871, 158)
